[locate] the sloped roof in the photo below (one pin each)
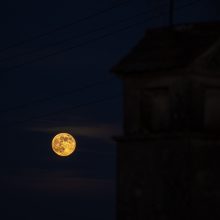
(169, 48)
(209, 61)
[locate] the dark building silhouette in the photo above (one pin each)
(168, 157)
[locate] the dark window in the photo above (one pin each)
(132, 111)
(212, 109)
(155, 109)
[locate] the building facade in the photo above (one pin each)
(168, 156)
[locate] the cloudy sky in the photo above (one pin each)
(55, 61)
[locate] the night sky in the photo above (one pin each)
(55, 64)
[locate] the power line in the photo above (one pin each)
(22, 106)
(93, 102)
(94, 39)
(58, 95)
(75, 36)
(186, 5)
(71, 38)
(171, 16)
(63, 27)
(73, 47)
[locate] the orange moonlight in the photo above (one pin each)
(63, 144)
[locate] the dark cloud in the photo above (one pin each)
(97, 131)
(62, 182)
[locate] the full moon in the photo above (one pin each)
(63, 144)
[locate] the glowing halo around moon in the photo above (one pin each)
(63, 144)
